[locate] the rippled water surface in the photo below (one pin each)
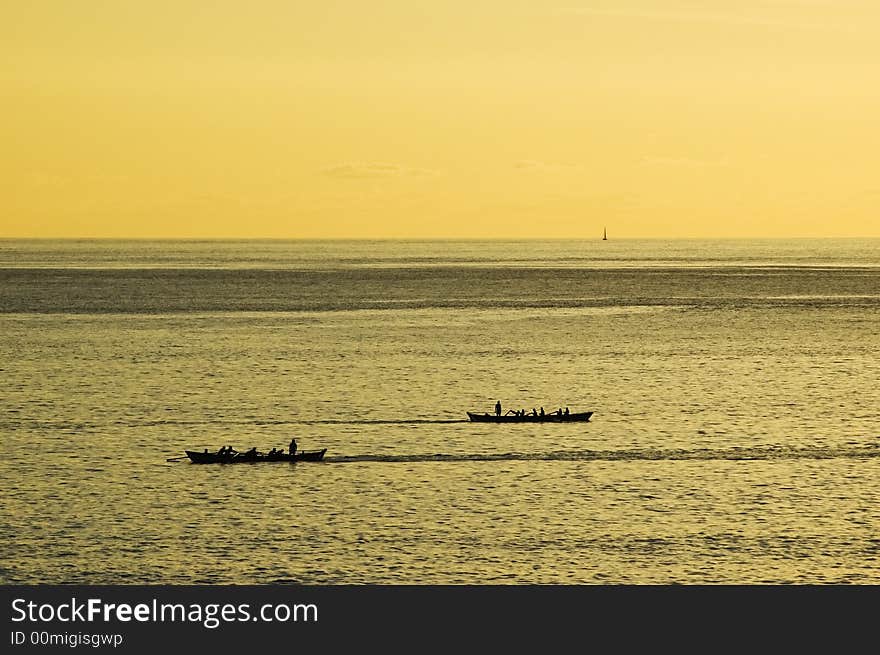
(735, 437)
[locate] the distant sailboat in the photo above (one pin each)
(604, 234)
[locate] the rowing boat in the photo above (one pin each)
(530, 418)
(243, 458)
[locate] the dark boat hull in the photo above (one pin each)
(240, 458)
(579, 417)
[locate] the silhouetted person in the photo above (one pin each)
(498, 408)
(293, 446)
(566, 411)
(542, 412)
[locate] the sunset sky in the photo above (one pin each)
(448, 118)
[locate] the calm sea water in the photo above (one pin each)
(734, 384)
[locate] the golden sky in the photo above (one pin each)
(448, 118)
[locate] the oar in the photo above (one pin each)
(176, 459)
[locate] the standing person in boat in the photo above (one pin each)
(498, 408)
(293, 446)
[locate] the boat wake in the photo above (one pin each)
(379, 421)
(765, 453)
(81, 426)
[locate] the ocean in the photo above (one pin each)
(734, 386)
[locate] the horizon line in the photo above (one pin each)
(450, 238)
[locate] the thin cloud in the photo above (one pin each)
(370, 170)
(682, 162)
(699, 16)
(535, 165)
